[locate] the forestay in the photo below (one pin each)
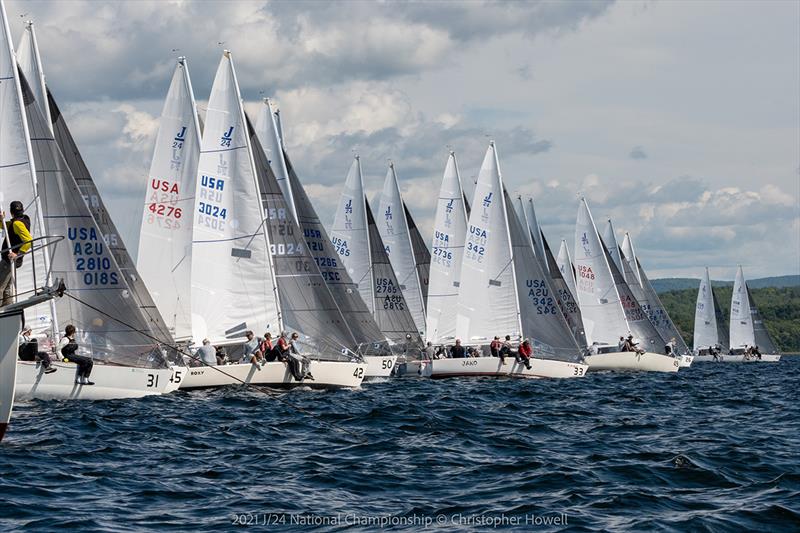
(603, 316)
(350, 235)
(391, 309)
(705, 323)
(762, 337)
(393, 228)
(449, 234)
(307, 305)
(233, 287)
(165, 240)
(345, 292)
(87, 266)
(487, 298)
(542, 321)
(18, 178)
(267, 131)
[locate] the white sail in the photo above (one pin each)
(233, 287)
(610, 240)
(449, 234)
(267, 132)
(393, 227)
(630, 255)
(350, 233)
(31, 64)
(601, 309)
(705, 323)
(487, 298)
(18, 178)
(742, 333)
(165, 242)
(536, 231)
(564, 263)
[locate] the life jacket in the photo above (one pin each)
(15, 240)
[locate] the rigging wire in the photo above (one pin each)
(258, 388)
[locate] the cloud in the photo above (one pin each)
(637, 152)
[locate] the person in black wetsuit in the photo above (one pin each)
(67, 348)
(29, 351)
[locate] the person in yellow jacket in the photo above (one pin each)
(16, 244)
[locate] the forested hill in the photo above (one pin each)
(780, 307)
(677, 284)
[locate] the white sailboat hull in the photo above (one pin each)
(646, 362)
(379, 366)
(721, 358)
(548, 368)
(327, 374)
(686, 361)
(111, 382)
(9, 330)
(469, 367)
(765, 358)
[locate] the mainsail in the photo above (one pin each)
(564, 264)
(542, 321)
(422, 256)
(18, 177)
(165, 241)
(742, 333)
(630, 253)
(449, 234)
(657, 312)
(705, 322)
(391, 309)
(233, 287)
(569, 307)
(30, 62)
(762, 337)
(393, 227)
(535, 230)
(487, 297)
(270, 140)
(610, 240)
(72, 156)
(601, 309)
(722, 325)
(87, 265)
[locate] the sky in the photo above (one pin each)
(678, 120)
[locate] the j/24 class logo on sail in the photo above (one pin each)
(226, 138)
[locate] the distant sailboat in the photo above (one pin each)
(706, 327)
(608, 309)
(743, 329)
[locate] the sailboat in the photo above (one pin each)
(707, 327)
(358, 243)
(747, 327)
(651, 304)
(165, 238)
(131, 358)
(394, 229)
(372, 345)
(234, 272)
(503, 292)
(449, 235)
(608, 308)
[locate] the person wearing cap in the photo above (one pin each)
(29, 351)
(16, 244)
(251, 353)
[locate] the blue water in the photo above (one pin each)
(714, 448)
